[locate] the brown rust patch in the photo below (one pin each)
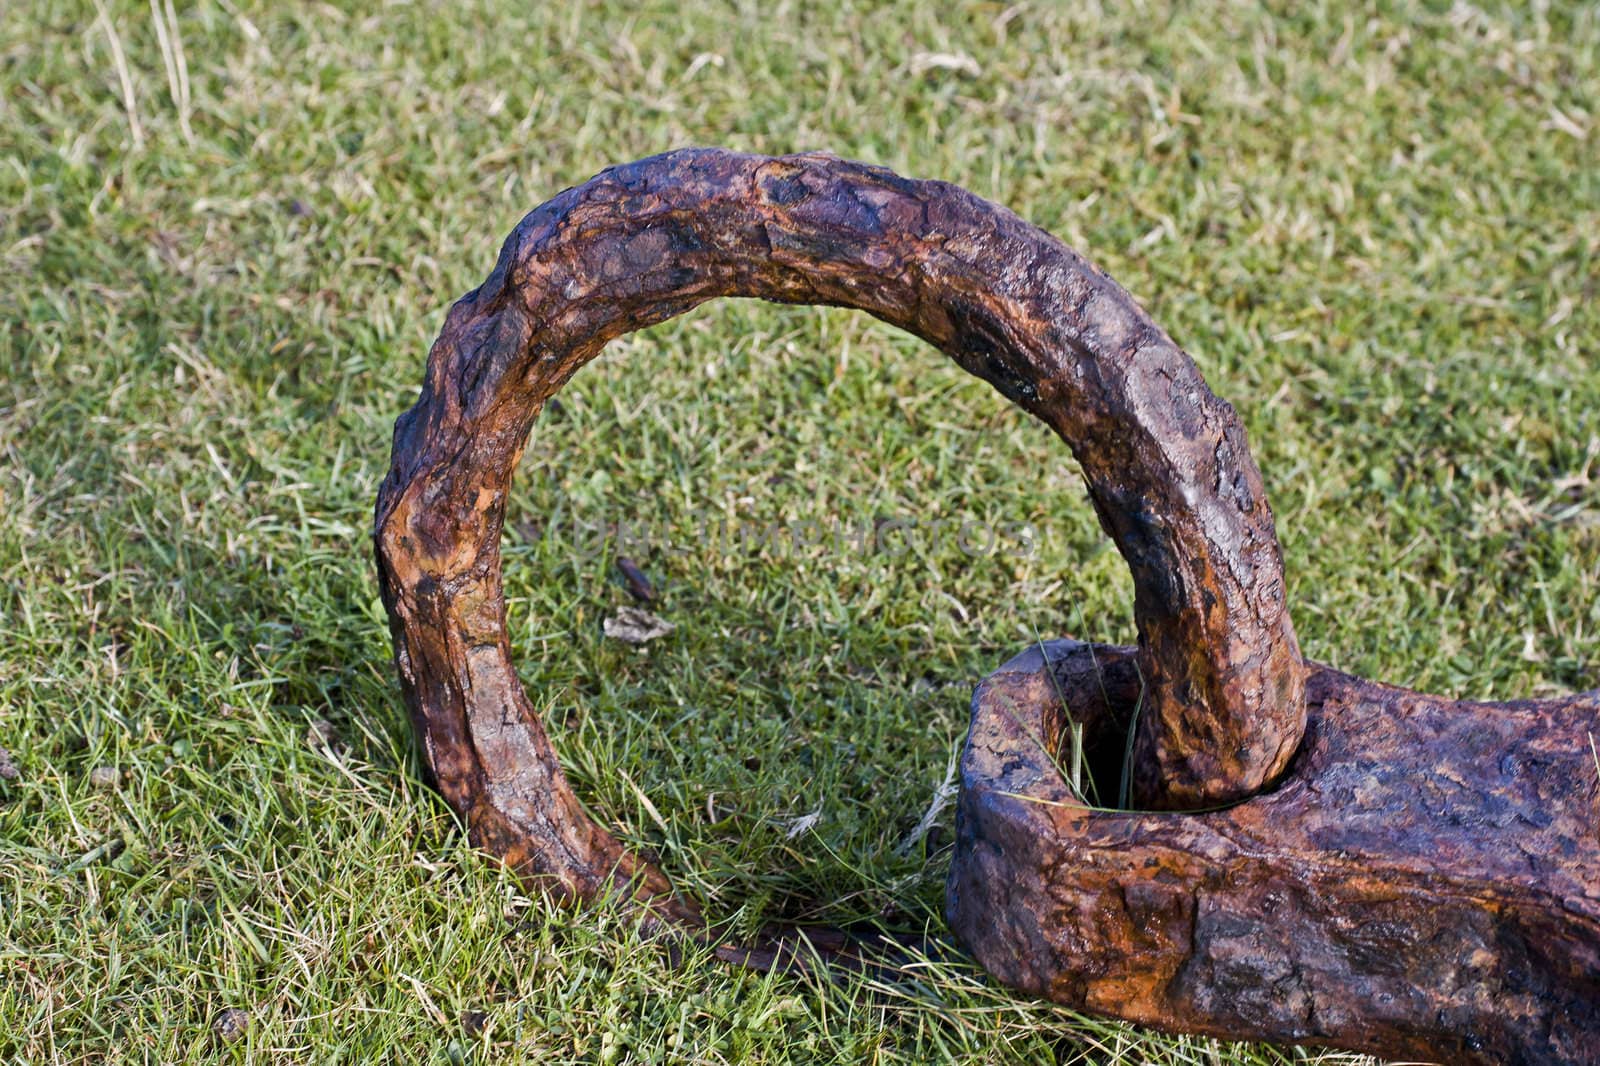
(1424, 883)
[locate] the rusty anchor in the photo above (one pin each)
(1315, 858)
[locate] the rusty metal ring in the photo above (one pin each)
(1166, 462)
(1423, 876)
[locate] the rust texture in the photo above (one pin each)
(1165, 460)
(1343, 863)
(1423, 884)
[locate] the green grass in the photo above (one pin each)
(1376, 229)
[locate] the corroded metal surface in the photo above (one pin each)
(1165, 460)
(1404, 874)
(1423, 883)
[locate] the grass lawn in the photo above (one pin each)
(229, 232)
